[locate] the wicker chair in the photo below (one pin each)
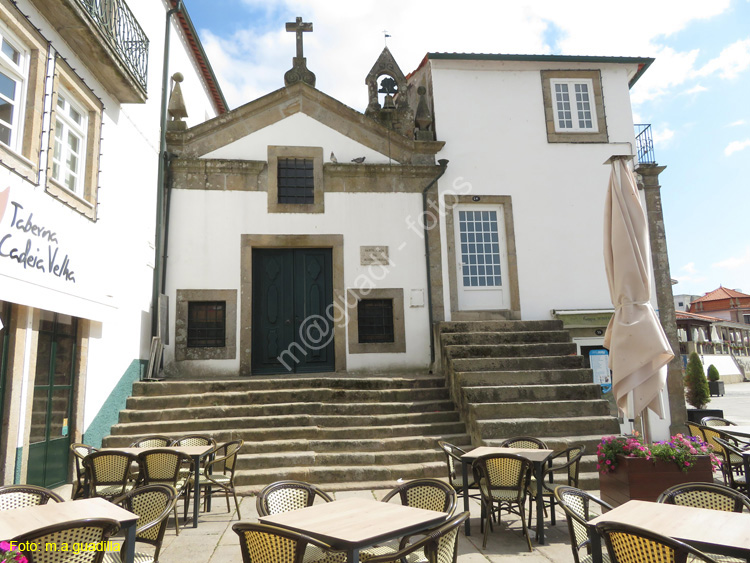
(735, 467)
(283, 496)
(455, 475)
(76, 532)
(524, 442)
(716, 421)
(439, 545)
(154, 441)
(162, 466)
(695, 430)
(569, 469)
(503, 481)
(109, 473)
(79, 485)
(219, 473)
(429, 494)
(21, 496)
(152, 504)
(706, 495)
(577, 505)
(261, 543)
(627, 543)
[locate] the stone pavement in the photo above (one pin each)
(213, 541)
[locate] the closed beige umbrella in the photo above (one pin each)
(638, 348)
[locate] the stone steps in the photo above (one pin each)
(532, 350)
(329, 428)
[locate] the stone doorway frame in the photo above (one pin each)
(248, 242)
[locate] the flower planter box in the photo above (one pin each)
(716, 388)
(638, 478)
(696, 415)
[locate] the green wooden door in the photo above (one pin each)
(292, 289)
(49, 441)
(4, 350)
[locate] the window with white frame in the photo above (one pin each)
(69, 154)
(574, 105)
(13, 59)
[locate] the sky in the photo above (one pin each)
(696, 95)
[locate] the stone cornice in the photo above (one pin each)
(272, 108)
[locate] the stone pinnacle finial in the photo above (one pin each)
(299, 71)
(176, 107)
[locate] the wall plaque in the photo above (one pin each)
(373, 255)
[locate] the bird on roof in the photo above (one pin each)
(359, 160)
(333, 158)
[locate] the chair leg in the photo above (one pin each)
(176, 521)
(525, 529)
(552, 510)
(237, 504)
(487, 524)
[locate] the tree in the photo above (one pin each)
(713, 373)
(696, 384)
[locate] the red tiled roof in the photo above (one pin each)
(696, 316)
(721, 293)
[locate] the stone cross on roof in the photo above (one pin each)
(299, 27)
(299, 71)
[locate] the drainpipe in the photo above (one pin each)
(158, 242)
(443, 162)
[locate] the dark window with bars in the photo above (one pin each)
(206, 324)
(295, 181)
(375, 320)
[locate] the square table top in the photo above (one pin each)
(21, 520)
(738, 430)
(709, 528)
(353, 523)
(531, 454)
(192, 451)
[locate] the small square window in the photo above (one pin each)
(574, 106)
(375, 321)
(206, 326)
(296, 181)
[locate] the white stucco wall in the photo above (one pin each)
(491, 116)
(114, 256)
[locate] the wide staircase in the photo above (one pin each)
(523, 378)
(336, 431)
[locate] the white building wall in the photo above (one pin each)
(491, 116)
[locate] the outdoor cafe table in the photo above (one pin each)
(195, 452)
(711, 531)
(19, 521)
(742, 431)
(352, 524)
(537, 457)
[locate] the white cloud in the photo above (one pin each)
(662, 136)
(735, 262)
(697, 89)
(732, 60)
(689, 268)
(736, 146)
(737, 123)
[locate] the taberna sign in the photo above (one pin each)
(29, 241)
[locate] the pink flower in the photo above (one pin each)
(4, 545)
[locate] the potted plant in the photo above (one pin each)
(715, 384)
(696, 391)
(632, 470)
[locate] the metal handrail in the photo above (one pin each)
(644, 143)
(118, 24)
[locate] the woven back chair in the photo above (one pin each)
(439, 545)
(218, 475)
(194, 440)
(152, 504)
(580, 507)
(429, 494)
(76, 532)
(557, 473)
(503, 481)
(109, 473)
(627, 544)
(734, 466)
(153, 441)
(261, 543)
(706, 495)
(524, 442)
(716, 421)
(79, 451)
(21, 496)
(283, 496)
(695, 430)
(455, 474)
(162, 466)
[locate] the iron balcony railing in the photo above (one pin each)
(119, 26)
(644, 144)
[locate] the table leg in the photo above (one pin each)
(129, 543)
(596, 545)
(539, 466)
(465, 475)
(196, 489)
(353, 556)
